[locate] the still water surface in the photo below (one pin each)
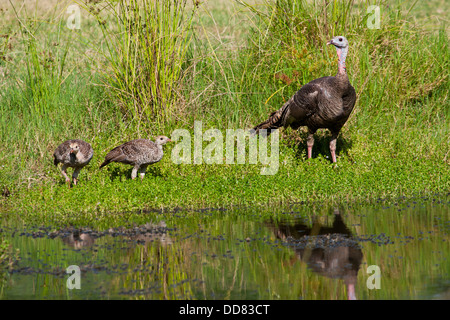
(382, 251)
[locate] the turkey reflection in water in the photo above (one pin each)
(293, 252)
(328, 251)
(78, 238)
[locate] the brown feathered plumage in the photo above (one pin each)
(322, 103)
(139, 153)
(75, 154)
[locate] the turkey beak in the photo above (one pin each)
(71, 151)
(330, 42)
(169, 140)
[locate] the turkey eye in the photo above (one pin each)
(340, 39)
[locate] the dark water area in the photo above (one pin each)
(382, 251)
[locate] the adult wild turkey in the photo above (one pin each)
(139, 153)
(75, 154)
(322, 103)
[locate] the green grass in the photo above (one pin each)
(167, 187)
(240, 64)
(144, 53)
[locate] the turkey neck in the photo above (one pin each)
(342, 73)
(342, 55)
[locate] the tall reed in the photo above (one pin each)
(45, 64)
(145, 52)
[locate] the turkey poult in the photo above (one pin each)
(139, 153)
(322, 103)
(75, 154)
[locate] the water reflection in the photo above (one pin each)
(78, 240)
(147, 233)
(140, 257)
(233, 255)
(150, 233)
(329, 251)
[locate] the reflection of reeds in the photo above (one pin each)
(158, 269)
(235, 255)
(7, 258)
(262, 267)
(414, 260)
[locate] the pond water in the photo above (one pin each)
(379, 251)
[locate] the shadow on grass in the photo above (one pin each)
(122, 173)
(297, 141)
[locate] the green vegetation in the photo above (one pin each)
(145, 53)
(114, 80)
(7, 259)
(237, 254)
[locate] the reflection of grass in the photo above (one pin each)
(250, 263)
(8, 257)
(5, 256)
(234, 255)
(112, 268)
(418, 253)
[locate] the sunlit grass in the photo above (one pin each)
(242, 62)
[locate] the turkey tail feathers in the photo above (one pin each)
(275, 121)
(106, 162)
(270, 124)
